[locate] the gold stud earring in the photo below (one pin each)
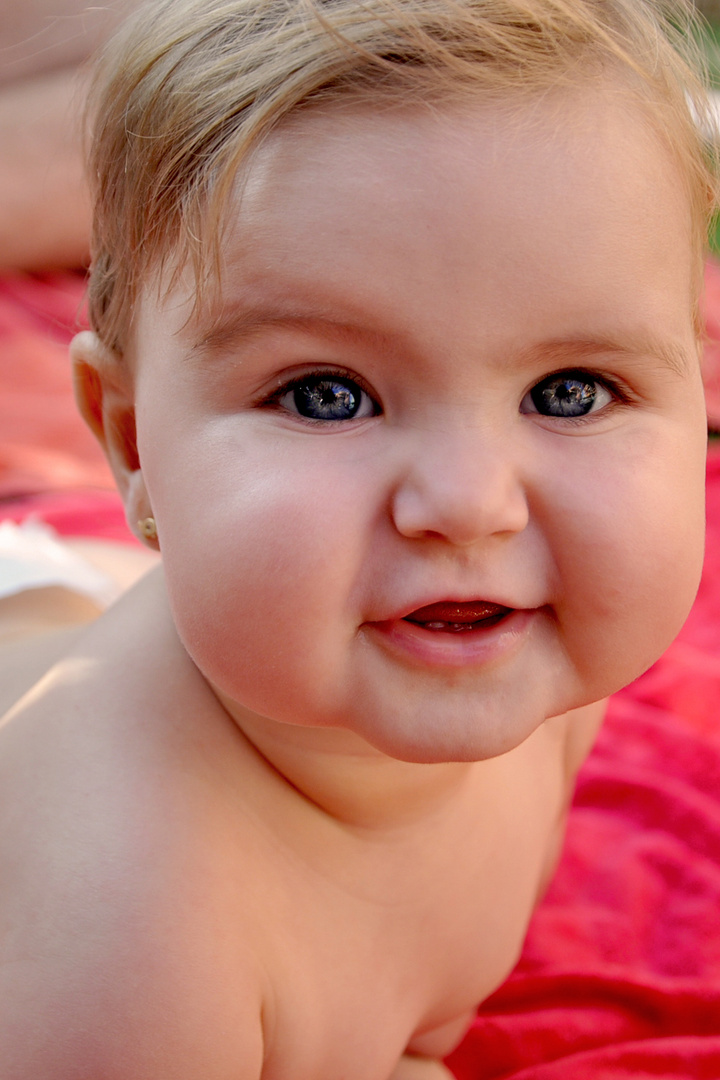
(148, 528)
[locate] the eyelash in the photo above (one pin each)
(275, 398)
(618, 391)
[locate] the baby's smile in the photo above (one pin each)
(458, 634)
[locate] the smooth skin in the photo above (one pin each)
(303, 839)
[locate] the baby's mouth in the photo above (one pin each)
(458, 617)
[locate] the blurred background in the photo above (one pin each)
(709, 8)
(44, 50)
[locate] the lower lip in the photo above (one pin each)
(440, 648)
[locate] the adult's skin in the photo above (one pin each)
(44, 205)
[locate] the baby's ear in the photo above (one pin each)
(104, 391)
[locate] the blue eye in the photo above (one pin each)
(568, 394)
(327, 397)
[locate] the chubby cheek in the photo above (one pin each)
(631, 560)
(261, 585)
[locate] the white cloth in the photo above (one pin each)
(33, 556)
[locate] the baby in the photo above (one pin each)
(395, 358)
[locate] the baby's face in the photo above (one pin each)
(436, 473)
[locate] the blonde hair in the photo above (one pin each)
(188, 88)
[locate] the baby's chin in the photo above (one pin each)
(442, 723)
(411, 714)
(485, 738)
(486, 742)
(471, 731)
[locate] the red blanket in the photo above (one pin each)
(49, 462)
(620, 975)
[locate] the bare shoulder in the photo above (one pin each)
(23, 662)
(114, 910)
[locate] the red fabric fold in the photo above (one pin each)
(44, 446)
(620, 974)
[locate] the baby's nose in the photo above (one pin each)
(460, 487)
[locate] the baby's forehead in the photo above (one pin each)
(413, 162)
(165, 161)
(353, 219)
(413, 158)
(427, 233)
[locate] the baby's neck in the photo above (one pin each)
(350, 780)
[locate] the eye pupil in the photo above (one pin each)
(326, 399)
(564, 395)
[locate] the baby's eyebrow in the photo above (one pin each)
(635, 346)
(243, 322)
